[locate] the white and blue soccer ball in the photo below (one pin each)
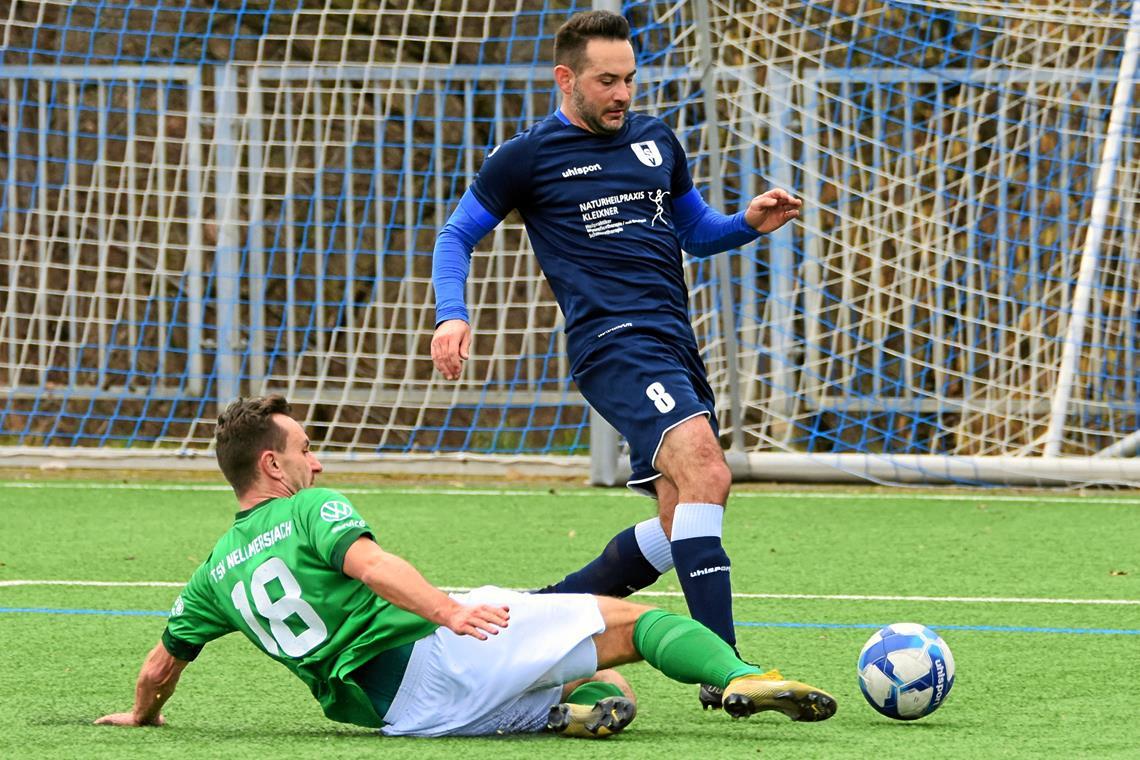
(906, 671)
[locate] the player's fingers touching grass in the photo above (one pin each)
(127, 719)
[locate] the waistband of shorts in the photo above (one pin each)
(380, 677)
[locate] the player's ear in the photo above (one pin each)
(269, 464)
(564, 78)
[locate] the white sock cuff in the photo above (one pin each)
(697, 521)
(654, 544)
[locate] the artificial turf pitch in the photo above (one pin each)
(1037, 594)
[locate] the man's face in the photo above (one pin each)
(297, 462)
(603, 87)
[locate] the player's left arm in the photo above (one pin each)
(704, 231)
(396, 580)
(157, 679)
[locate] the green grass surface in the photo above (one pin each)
(1034, 679)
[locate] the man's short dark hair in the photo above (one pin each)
(571, 38)
(245, 429)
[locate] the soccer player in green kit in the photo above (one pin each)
(300, 575)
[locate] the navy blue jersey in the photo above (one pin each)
(599, 213)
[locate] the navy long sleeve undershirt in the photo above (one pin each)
(451, 261)
(704, 231)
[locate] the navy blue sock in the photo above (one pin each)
(619, 570)
(703, 567)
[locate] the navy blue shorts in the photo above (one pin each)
(644, 386)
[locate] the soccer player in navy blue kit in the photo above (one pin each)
(608, 204)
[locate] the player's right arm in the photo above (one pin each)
(396, 580)
(503, 180)
(451, 263)
(450, 345)
(193, 622)
(157, 679)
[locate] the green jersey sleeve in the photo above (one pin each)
(194, 618)
(331, 523)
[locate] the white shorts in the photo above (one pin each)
(461, 686)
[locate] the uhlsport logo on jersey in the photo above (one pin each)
(332, 511)
(576, 171)
(179, 605)
(647, 153)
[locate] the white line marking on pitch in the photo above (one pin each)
(889, 598)
(108, 584)
(600, 492)
(673, 594)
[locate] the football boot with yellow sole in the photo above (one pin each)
(751, 694)
(607, 717)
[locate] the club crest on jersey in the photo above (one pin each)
(332, 511)
(647, 153)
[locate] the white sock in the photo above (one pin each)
(654, 544)
(697, 521)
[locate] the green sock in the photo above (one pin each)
(590, 692)
(686, 651)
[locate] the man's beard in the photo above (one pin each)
(593, 121)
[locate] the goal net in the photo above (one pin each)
(201, 199)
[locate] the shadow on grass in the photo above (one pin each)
(713, 730)
(184, 731)
(887, 724)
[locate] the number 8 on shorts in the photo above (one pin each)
(660, 398)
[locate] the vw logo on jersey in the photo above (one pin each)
(332, 511)
(647, 153)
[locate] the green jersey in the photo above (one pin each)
(276, 576)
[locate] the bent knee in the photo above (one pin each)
(707, 481)
(621, 611)
(718, 478)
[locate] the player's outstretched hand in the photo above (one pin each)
(769, 211)
(450, 347)
(478, 620)
(127, 719)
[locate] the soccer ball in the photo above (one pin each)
(905, 671)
